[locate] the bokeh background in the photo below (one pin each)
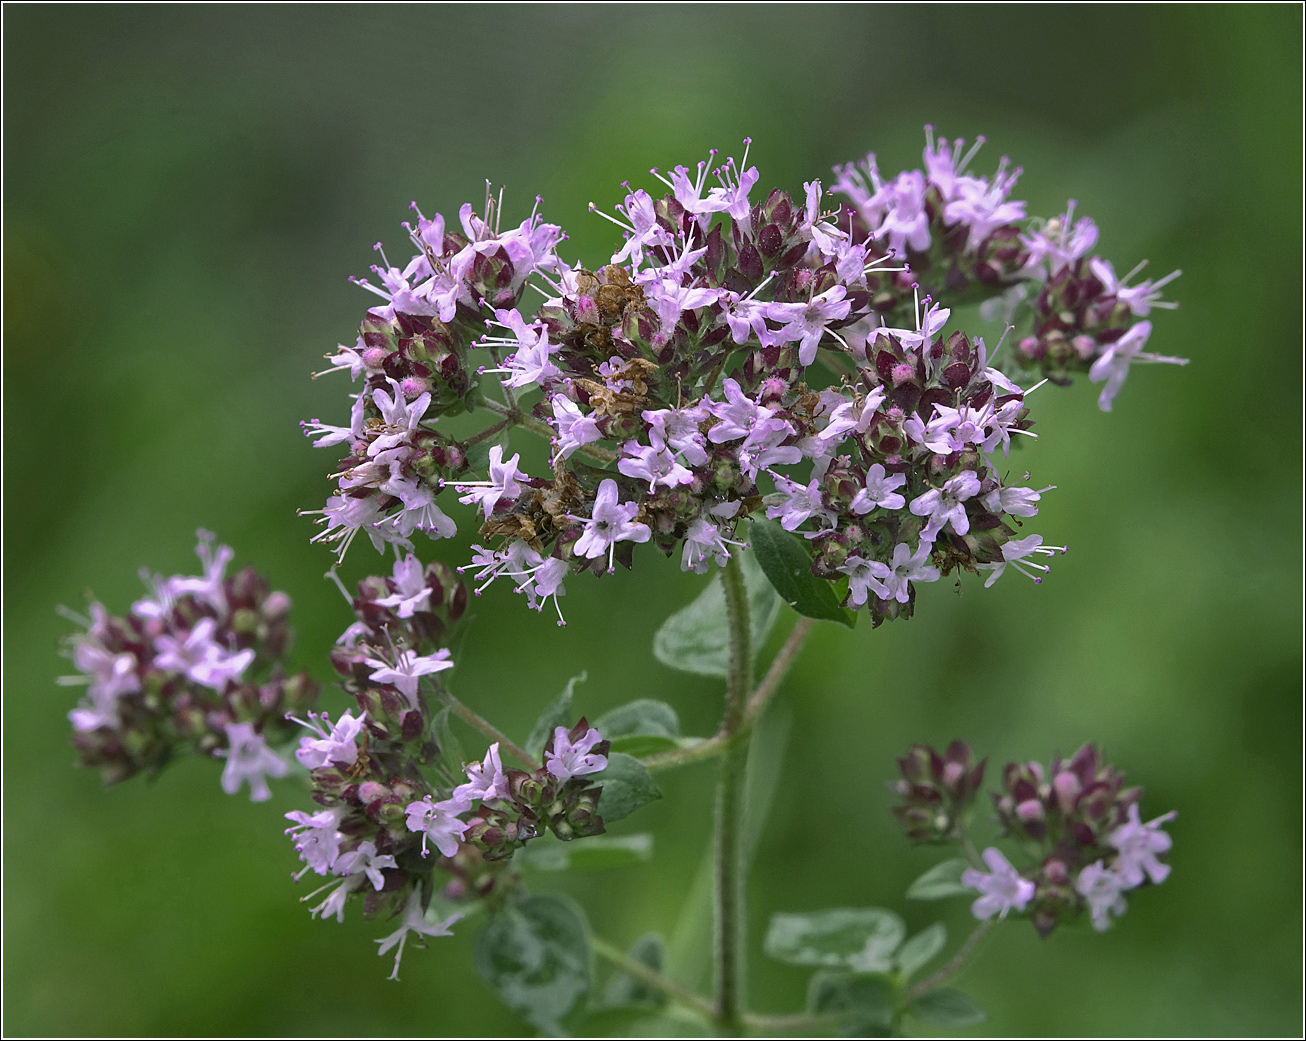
(186, 190)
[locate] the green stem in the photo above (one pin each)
(730, 866)
(707, 749)
(477, 722)
(633, 967)
(825, 1024)
(955, 966)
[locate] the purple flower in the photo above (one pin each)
(1138, 846)
(864, 578)
(438, 822)
(1014, 553)
(503, 483)
(945, 505)
(792, 504)
(907, 567)
(337, 746)
(210, 587)
(1140, 298)
(703, 543)
(364, 861)
(610, 522)
(249, 761)
(1103, 889)
(407, 668)
(807, 322)
(485, 780)
(574, 428)
(879, 491)
(201, 659)
(317, 838)
(414, 922)
(567, 760)
(1002, 887)
(677, 429)
(412, 593)
(736, 415)
(655, 464)
(1113, 365)
(531, 363)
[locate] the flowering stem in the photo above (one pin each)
(729, 919)
(487, 728)
(955, 966)
(633, 967)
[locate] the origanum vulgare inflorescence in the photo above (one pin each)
(759, 384)
(737, 360)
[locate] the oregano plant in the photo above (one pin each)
(771, 389)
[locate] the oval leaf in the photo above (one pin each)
(627, 786)
(873, 998)
(591, 854)
(697, 638)
(641, 745)
(940, 882)
(917, 951)
(536, 957)
(788, 565)
(556, 715)
(644, 717)
(947, 1008)
(862, 939)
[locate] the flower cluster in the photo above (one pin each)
(937, 791)
(390, 793)
(195, 664)
(737, 357)
(1077, 824)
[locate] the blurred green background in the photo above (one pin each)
(186, 191)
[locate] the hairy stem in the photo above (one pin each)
(633, 967)
(955, 966)
(477, 722)
(730, 865)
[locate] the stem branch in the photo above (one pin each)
(633, 967)
(477, 722)
(523, 419)
(955, 966)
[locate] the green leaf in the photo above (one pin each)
(640, 745)
(591, 854)
(862, 939)
(536, 956)
(947, 1008)
(921, 948)
(627, 786)
(788, 565)
(626, 990)
(556, 715)
(940, 882)
(644, 717)
(873, 998)
(697, 638)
